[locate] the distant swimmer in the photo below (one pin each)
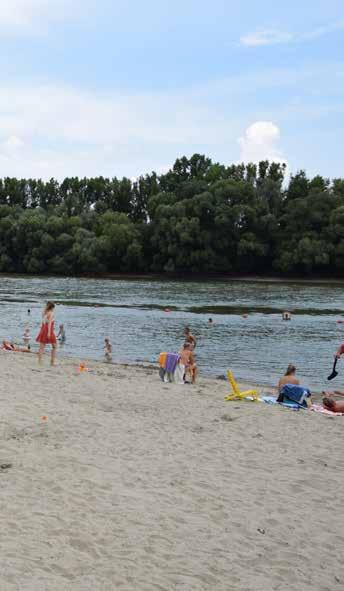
(286, 316)
(29, 312)
(210, 321)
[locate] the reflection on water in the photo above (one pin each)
(132, 314)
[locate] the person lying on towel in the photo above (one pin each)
(333, 405)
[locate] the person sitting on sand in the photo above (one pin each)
(108, 350)
(333, 405)
(288, 378)
(9, 346)
(187, 359)
(189, 338)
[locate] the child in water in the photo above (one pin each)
(26, 338)
(108, 350)
(62, 334)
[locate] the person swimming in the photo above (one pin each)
(286, 316)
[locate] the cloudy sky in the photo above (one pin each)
(123, 87)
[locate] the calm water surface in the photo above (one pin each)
(131, 313)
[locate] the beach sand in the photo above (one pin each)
(132, 484)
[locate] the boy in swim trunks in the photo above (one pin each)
(189, 338)
(108, 350)
(187, 358)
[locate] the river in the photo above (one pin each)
(132, 314)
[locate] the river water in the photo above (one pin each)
(132, 314)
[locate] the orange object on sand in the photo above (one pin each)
(82, 368)
(162, 360)
(44, 418)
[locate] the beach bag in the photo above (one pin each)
(292, 393)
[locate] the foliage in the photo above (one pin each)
(199, 217)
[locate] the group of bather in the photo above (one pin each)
(180, 367)
(290, 380)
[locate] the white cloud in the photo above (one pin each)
(277, 37)
(32, 16)
(267, 37)
(64, 131)
(13, 143)
(261, 142)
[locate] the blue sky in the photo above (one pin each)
(118, 87)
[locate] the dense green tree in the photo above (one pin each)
(199, 217)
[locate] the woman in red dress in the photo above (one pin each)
(47, 335)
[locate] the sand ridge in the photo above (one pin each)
(132, 484)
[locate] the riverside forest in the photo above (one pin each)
(198, 218)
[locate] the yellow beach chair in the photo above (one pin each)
(237, 395)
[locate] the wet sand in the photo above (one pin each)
(120, 482)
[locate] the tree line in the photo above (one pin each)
(198, 218)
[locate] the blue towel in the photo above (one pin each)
(297, 394)
(171, 362)
(273, 400)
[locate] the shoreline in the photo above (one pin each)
(222, 277)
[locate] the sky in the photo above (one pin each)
(124, 87)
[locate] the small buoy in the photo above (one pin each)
(340, 321)
(82, 368)
(44, 418)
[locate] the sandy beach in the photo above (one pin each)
(117, 481)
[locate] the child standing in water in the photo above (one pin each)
(62, 334)
(27, 338)
(47, 335)
(108, 350)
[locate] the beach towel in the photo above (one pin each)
(293, 393)
(324, 411)
(268, 399)
(171, 362)
(179, 374)
(162, 360)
